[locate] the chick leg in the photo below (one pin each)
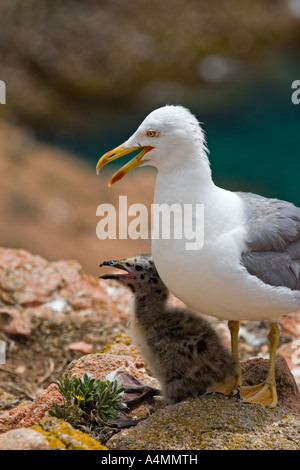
(265, 393)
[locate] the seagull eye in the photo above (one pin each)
(152, 133)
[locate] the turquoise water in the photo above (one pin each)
(257, 148)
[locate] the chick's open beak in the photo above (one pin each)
(119, 265)
(120, 152)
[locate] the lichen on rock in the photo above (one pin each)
(62, 436)
(212, 422)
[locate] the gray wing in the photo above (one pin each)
(273, 244)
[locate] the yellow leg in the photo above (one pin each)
(230, 387)
(265, 393)
(234, 327)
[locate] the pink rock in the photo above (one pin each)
(81, 346)
(13, 258)
(69, 270)
(23, 439)
(100, 365)
(31, 278)
(81, 301)
(15, 321)
(290, 324)
(30, 287)
(26, 416)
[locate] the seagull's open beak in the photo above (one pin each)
(120, 152)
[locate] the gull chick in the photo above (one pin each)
(180, 347)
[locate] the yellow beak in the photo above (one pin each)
(120, 152)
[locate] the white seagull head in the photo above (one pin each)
(167, 138)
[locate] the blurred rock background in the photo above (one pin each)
(81, 75)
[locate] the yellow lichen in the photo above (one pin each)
(61, 435)
(105, 348)
(54, 442)
(121, 338)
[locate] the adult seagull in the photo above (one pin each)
(249, 265)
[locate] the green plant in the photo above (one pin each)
(89, 399)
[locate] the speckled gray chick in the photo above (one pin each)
(180, 347)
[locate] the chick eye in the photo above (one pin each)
(152, 133)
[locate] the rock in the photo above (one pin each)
(49, 434)
(104, 364)
(7, 400)
(15, 321)
(23, 439)
(218, 422)
(27, 415)
(31, 287)
(30, 278)
(81, 346)
(60, 435)
(212, 422)
(206, 422)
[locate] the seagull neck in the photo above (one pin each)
(191, 183)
